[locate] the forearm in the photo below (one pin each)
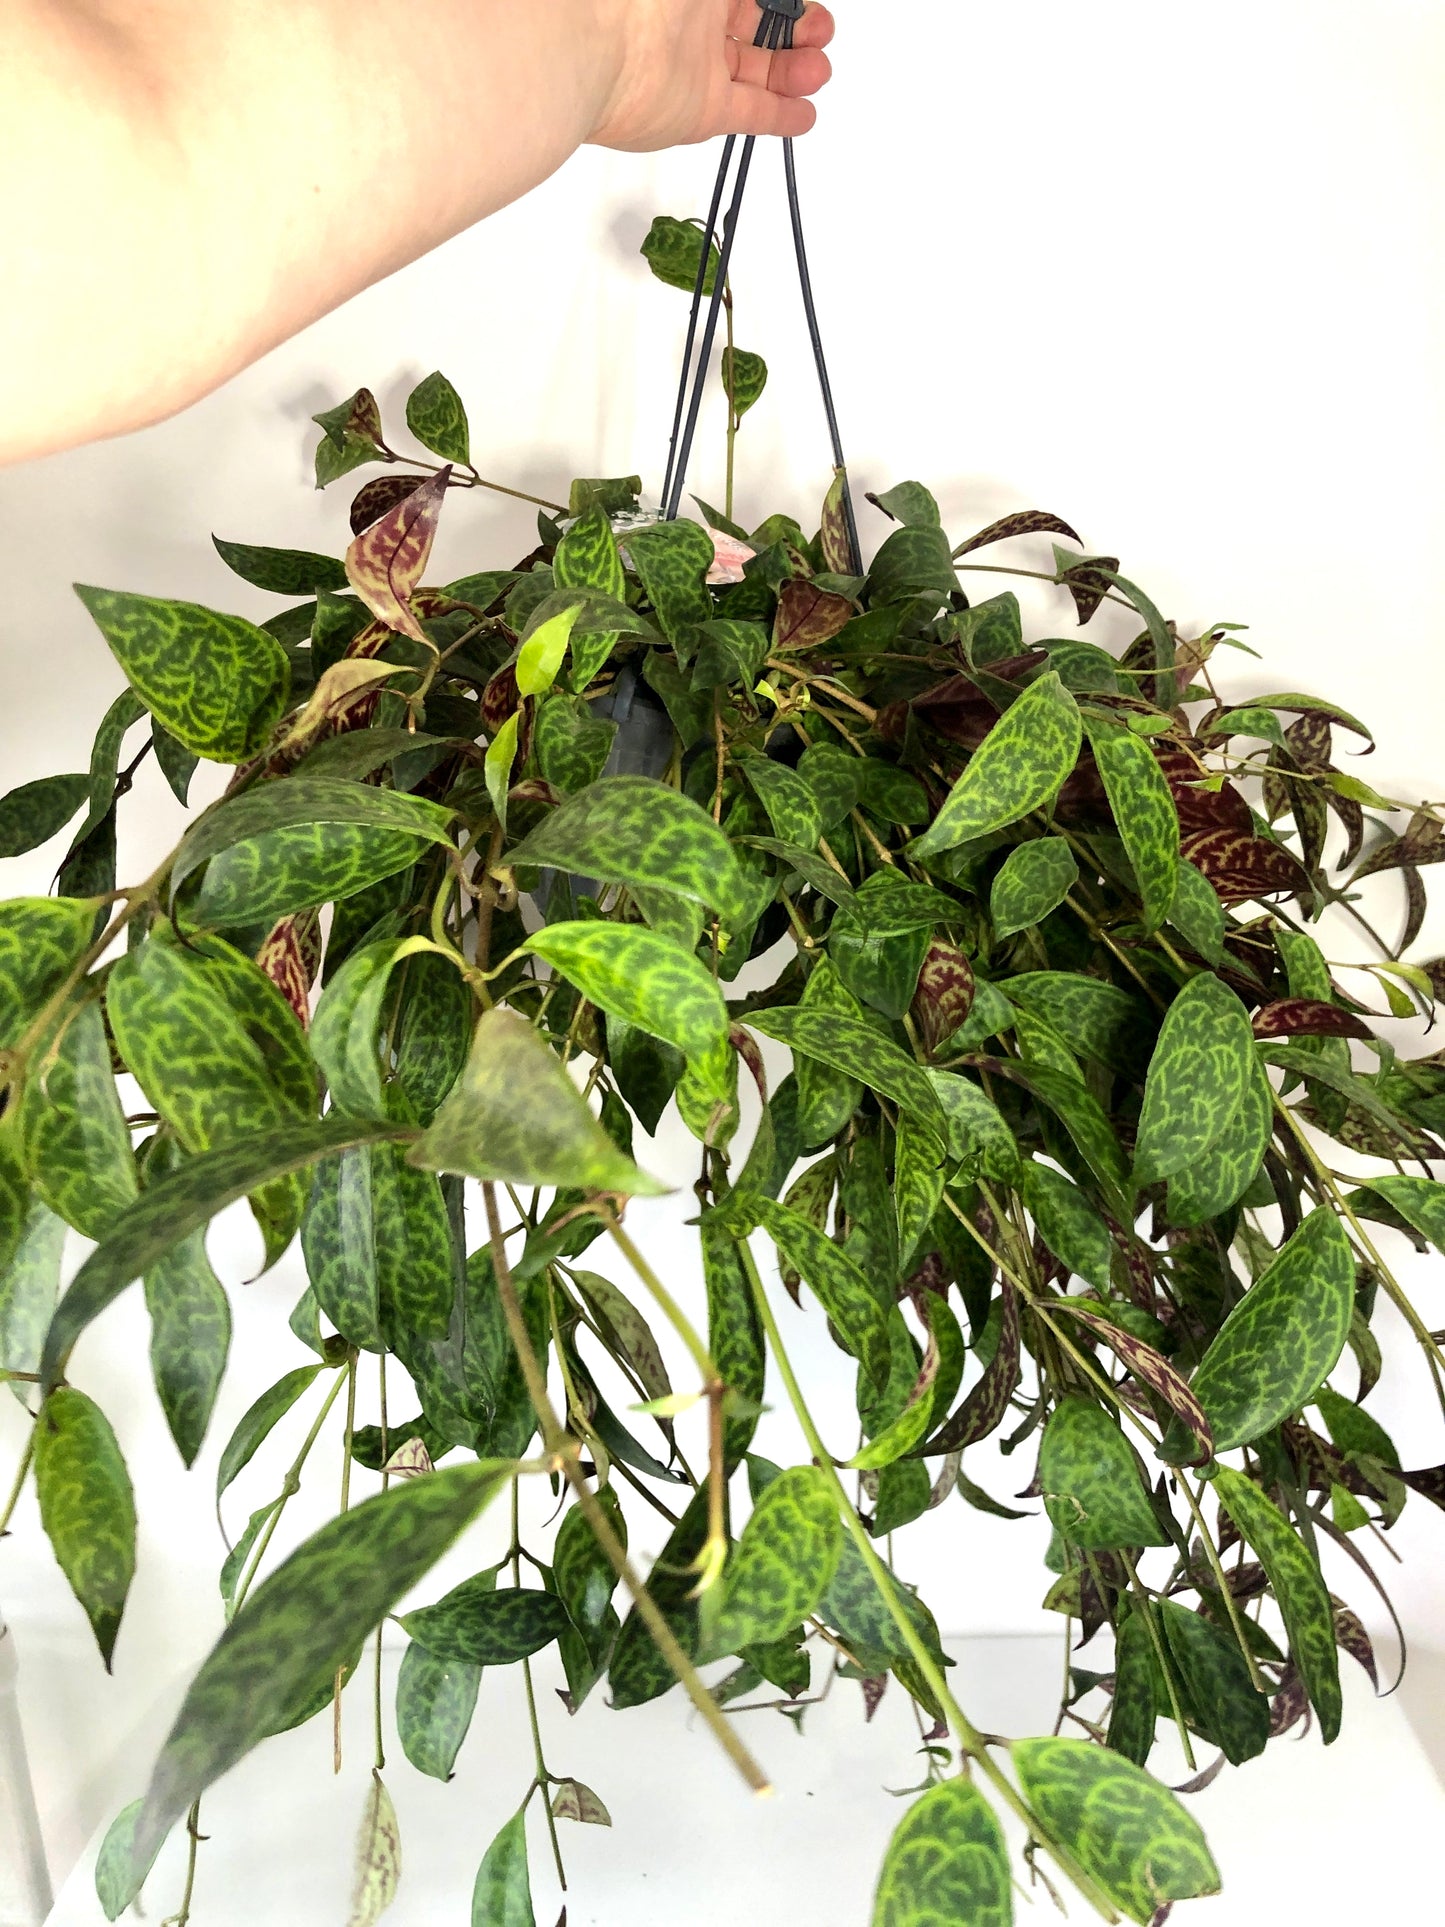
(184, 185)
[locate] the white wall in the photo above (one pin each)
(1173, 273)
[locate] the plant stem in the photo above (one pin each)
(290, 1486)
(564, 1452)
(970, 1739)
(22, 1473)
(1146, 1607)
(671, 1310)
(1231, 1604)
(193, 1821)
(543, 1777)
(730, 384)
(345, 1503)
(379, 1758)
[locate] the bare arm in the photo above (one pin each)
(184, 185)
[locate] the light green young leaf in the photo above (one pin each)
(217, 683)
(1298, 1588)
(304, 1622)
(643, 978)
(1035, 879)
(1093, 1489)
(86, 1507)
(946, 1864)
(540, 656)
(516, 1116)
(782, 1565)
(1143, 808)
(1021, 766)
(634, 831)
(1126, 1830)
(502, 1896)
(1283, 1339)
(1202, 1066)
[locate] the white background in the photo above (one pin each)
(1173, 274)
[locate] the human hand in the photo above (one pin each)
(688, 71)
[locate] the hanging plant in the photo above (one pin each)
(512, 865)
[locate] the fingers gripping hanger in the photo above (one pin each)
(775, 30)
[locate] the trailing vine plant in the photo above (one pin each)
(511, 865)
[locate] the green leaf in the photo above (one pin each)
(917, 1184)
(259, 1421)
(434, 1032)
(1093, 1489)
(1220, 1179)
(1419, 1201)
(790, 803)
(1035, 879)
(1126, 1831)
(290, 572)
(744, 377)
(516, 1116)
(946, 1864)
(217, 683)
(1138, 1690)
(483, 1624)
(835, 778)
(853, 1047)
(1299, 1591)
(782, 1565)
(1197, 914)
(435, 415)
(117, 1880)
(735, 1337)
(643, 978)
(978, 1136)
(570, 743)
(913, 562)
(840, 1287)
(338, 1237)
(29, 1287)
(540, 656)
(638, 1672)
(167, 1214)
(1020, 766)
(637, 832)
(587, 557)
(911, 504)
(584, 1580)
(41, 939)
(1069, 1225)
(190, 1333)
(1220, 1699)
(344, 1029)
(202, 1031)
(32, 814)
(673, 250)
(435, 1700)
(302, 1624)
(1143, 808)
(502, 1896)
(1095, 1018)
(855, 1608)
(672, 560)
(76, 1142)
(1355, 1432)
(1283, 1339)
(86, 1507)
(1203, 1064)
(299, 802)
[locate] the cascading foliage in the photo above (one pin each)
(1057, 1158)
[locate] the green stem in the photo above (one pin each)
(193, 1822)
(290, 1486)
(970, 1739)
(543, 1777)
(1146, 1607)
(1231, 1604)
(377, 1728)
(23, 1472)
(671, 1310)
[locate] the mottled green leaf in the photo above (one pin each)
(303, 1623)
(1126, 1831)
(853, 1047)
(117, 1880)
(946, 1865)
(32, 814)
(913, 561)
(29, 1287)
(258, 1422)
(570, 743)
(918, 1174)
(634, 831)
(835, 1281)
(1093, 1489)
(672, 559)
(856, 1609)
(1203, 1064)
(483, 1624)
(1138, 1690)
(735, 1337)
(1035, 879)
(190, 1318)
(76, 1142)
(1095, 1019)
(290, 572)
(1197, 914)
(433, 1032)
(673, 250)
(515, 1115)
(977, 1135)
(1143, 809)
(587, 557)
(1068, 1224)
(1020, 766)
(167, 1214)
(338, 1238)
(1419, 1201)
(638, 1672)
(836, 779)
(86, 1507)
(1283, 1339)
(585, 1582)
(216, 682)
(1354, 1431)
(789, 801)
(1221, 1177)
(643, 978)
(41, 938)
(1298, 1589)
(744, 377)
(1220, 1699)
(502, 1896)
(782, 1565)
(436, 416)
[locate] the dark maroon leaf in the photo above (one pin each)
(376, 498)
(1086, 585)
(499, 698)
(1351, 1637)
(1304, 1017)
(1430, 1484)
(746, 1046)
(284, 960)
(944, 996)
(1422, 842)
(983, 1409)
(1434, 969)
(1151, 1368)
(1021, 522)
(385, 562)
(1415, 906)
(1197, 808)
(1242, 867)
(874, 1687)
(1290, 1704)
(808, 615)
